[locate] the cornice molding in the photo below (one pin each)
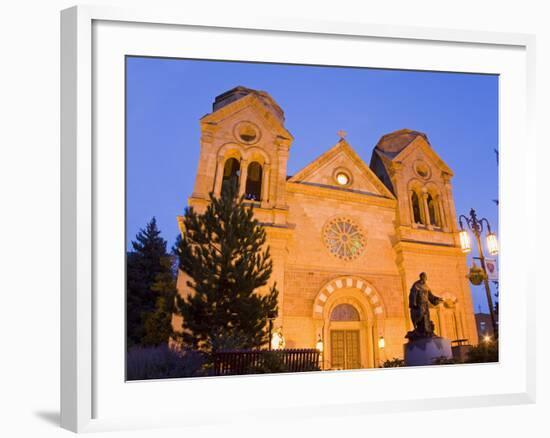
(340, 194)
(423, 247)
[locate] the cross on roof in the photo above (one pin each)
(342, 134)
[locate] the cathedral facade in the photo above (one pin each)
(347, 238)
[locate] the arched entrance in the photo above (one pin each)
(349, 314)
(344, 333)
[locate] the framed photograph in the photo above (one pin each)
(310, 210)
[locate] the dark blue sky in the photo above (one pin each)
(167, 97)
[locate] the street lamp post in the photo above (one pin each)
(477, 226)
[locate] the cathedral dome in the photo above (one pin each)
(394, 142)
(239, 92)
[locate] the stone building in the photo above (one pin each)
(347, 238)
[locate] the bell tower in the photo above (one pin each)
(426, 231)
(244, 142)
(406, 163)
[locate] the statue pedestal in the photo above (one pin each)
(423, 351)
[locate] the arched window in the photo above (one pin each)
(344, 312)
(417, 216)
(231, 172)
(254, 182)
(432, 211)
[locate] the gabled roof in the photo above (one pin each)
(396, 146)
(341, 147)
(238, 98)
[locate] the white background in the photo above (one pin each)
(29, 219)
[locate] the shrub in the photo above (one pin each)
(271, 363)
(483, 352)
(443, 360)
(393, 363)
(162, 362)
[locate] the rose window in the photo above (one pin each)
(344, 239)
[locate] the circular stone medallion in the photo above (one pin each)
(422, 169)
(246, 132)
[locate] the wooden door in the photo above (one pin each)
(345, 350)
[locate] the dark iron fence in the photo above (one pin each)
(228, 363)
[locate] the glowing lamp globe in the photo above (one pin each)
(277, 341)
(465, 244)
(492, 243)
(319, 345)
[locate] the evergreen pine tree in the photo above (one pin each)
(223, 252)
(147, 270)
(158, 323)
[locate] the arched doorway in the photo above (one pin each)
(349, 319)
(345, 345)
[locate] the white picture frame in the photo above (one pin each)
(93, 397)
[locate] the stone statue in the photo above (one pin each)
(420, 298)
